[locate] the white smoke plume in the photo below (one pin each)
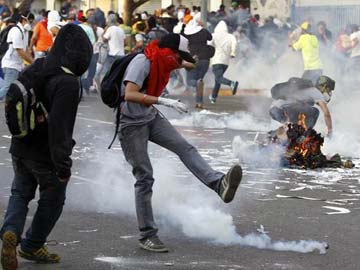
(180, 202)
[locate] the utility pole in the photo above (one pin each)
(204, 11)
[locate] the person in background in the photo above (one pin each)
(54, 23)
(323, 34)
(141, 38)
(90, 31)
(13, 61)
(115, 38)
(169, 19)
(156, 31)
(94, 67)
(41, 40)
(225, 48)
(198, 38)
(308, 44)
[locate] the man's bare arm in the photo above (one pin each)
(327, 116)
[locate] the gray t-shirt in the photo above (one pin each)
(135, 113)
(309, 95)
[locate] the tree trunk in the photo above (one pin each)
(24, 7)
(129, 8)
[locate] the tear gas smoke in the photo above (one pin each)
(198, 211)
(236, 121)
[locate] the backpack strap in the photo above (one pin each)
(22, 34)
(117, 125)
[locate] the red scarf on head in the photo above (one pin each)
(163, 61)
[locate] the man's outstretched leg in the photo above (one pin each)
(165, 135)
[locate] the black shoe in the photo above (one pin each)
(230, 183)
(8, 251)
(154, 244)
(234, 87)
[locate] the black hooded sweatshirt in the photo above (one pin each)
(68, 59)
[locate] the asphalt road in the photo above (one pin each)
(98, 228)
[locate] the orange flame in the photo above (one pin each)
(302, 120)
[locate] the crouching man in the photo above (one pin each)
(297, 97)
(144, 80)
(42, 158)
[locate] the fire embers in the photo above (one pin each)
(303, 147)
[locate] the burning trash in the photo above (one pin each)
(303, 147)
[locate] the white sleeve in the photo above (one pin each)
(107, 33)
(16, 37)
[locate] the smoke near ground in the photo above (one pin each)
(180, 201)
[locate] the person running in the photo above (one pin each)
(225, 48)
(140, 122)
(42, 159)
(198, 38)
(308, 44)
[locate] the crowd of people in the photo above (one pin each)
(71, 43)
(246, 36)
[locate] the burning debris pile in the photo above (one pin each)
(303, 147)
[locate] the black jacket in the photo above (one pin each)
(72, 51)
(198, 44)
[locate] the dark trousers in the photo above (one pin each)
(88, 81)
(29, 175)
(219, 71)
(196, 74)
(290, 113)
(134, 142)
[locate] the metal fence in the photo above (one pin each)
(336, 17)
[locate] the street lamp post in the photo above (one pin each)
(204, 11)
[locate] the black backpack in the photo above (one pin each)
(286, 89)
(24, 111)
(4, 45)
(110, 87)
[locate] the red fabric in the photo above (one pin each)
(163, 61)
(44, 22)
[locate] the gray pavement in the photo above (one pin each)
(98, 228)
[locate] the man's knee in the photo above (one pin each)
(278, 114)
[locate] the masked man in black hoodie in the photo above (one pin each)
(42, 159)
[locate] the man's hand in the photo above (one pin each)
(175, 104)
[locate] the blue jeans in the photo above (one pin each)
(10, 75)
(219, 71)
(196, 74)
(134, 142)
(29, 175)
(88, 81)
